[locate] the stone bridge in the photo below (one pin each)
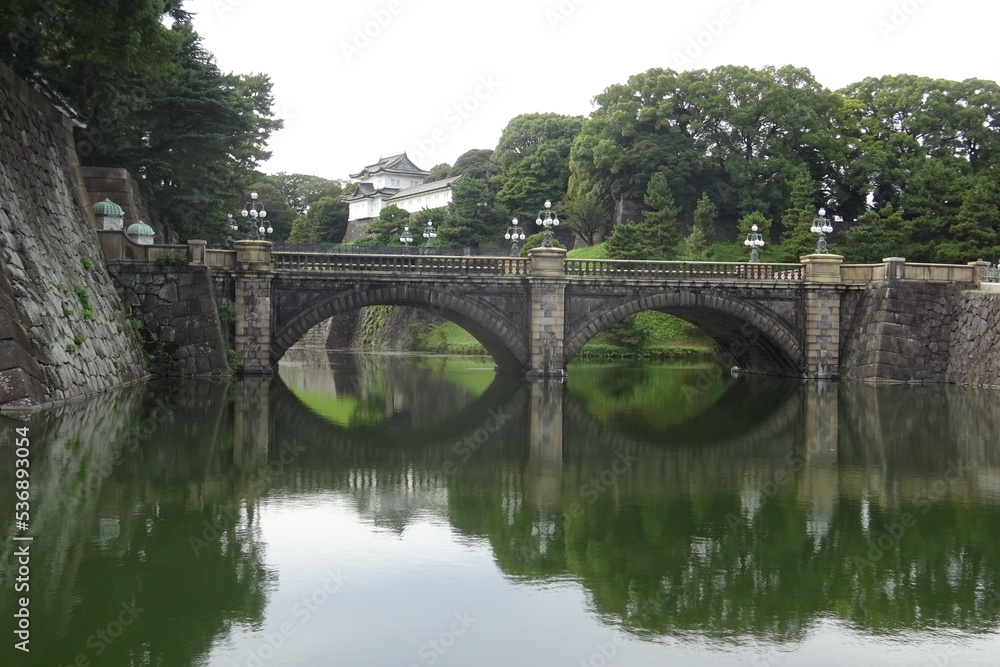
(533, 315)
(819, 318)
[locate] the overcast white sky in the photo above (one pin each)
(438, 77)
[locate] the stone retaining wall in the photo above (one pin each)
(911, 331)
(179, 319)
(975, 340)
(63, 331)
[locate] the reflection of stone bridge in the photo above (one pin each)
(541, 423)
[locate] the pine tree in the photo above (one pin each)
(629, 240)
(975, 225)
(797, 240)
(877, 235)
(661, 219)
(473, 217)
(385, 230)
(704, 218)
(696, 247)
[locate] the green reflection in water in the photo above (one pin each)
(645, 398)
(873, 506)
(358, 391)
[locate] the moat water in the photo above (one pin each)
(415, 511)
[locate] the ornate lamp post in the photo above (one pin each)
(822, 227)
(547, 219)
(430, 235)
(255, 213)
(754, 240)
(406, 239)
(514, 234)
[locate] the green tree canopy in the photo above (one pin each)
(533, 159)
(438, 172)
(301, 190)
(585, 215)
(157, 104)
(475, 163)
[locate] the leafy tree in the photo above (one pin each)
(330, 215)
(66, 43)
(930, 203)
(897, 123)
(525, 133)
(438, 172)
(473, 217)
(385, 230)
(533, 158)
(585, 215)
(157, 103)
(639, 128)
(304, 230)
(765, 126)
(657, 236)
(474, 163)
(324, 222)
(301, 190)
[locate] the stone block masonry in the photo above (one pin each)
(911, 331)
(975, 340)
(63, 331)
(177, 310)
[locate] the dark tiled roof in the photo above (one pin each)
(367, 190)
(394, 163)
(426, 187)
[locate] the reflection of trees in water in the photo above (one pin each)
(724, 525)
(763, 537)
(357, 391)
(128, 483)
(636, 400)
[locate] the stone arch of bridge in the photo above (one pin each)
(502, 340)
(757, 340)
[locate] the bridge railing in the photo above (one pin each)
(624, 268)
(473, 265)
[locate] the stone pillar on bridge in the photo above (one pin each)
(253, 307)
(547, 277)
(821, 276)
